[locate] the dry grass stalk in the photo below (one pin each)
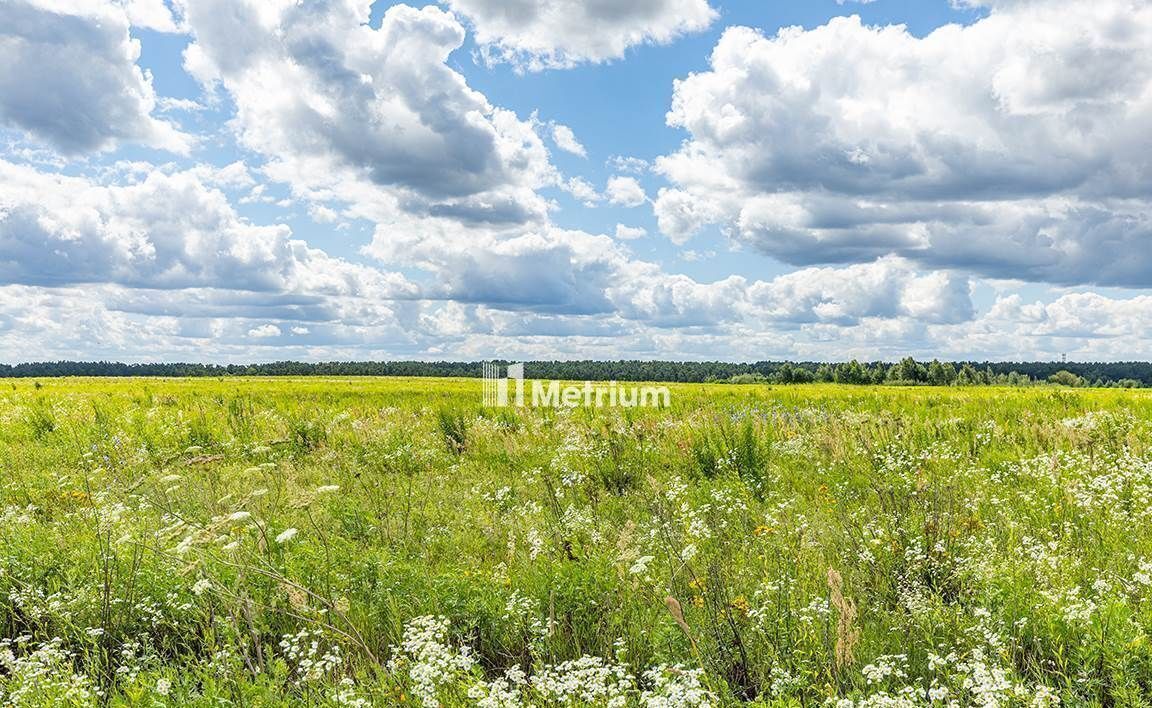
(677, 613)
(847, 633)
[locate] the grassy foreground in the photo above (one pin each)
(388, 542)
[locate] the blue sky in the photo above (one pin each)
(205, 180)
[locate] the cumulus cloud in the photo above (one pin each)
(565, 272)
(264, 331)
(582, 190)
(625, 191)
(374, 114)
(627, 233)
(150, 14)
(159, 231)
(889, 288)
(1014, 145)
(1079, 315)
(541, 270)
(69, 78)
(566, 140)
(554, 34)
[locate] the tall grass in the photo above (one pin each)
(388, 542)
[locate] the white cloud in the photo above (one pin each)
(628, 233)
(551, 34)
(150, 14)
(264, 331)
(373, 115)
(1013, 147)
(69, 78)
(159, 230)
(566, 140)
(582, 190)
(167, 105)
(544, 270)
(625, 191)
(680, 213)
(622, 163)
(890, 288)
(1080, 315)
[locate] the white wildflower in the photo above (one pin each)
(640, 567)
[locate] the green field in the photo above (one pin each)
(389, 542)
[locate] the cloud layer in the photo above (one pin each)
(340, 190)
(1016, 146)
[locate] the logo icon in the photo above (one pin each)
(496, 386)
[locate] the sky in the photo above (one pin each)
(259, 180)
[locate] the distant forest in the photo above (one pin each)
(1129, 374)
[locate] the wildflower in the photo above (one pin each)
(431, 660)
(587, 680)
(286, 535)
(675, 687)
(346, 695)
(239, 516)
(641, 565)
(535, 544)
(163, 686)
(202, 586)
(504, 692)
(740, 604)
(305, 651)
(327, 488)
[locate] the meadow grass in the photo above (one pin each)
(367, 541)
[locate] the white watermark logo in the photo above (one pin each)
(511, 389)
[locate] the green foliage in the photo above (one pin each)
(306, 431)
(1067, 378)
(752, 378)
(40, 419)
(732, 446)
(454, 428)
(905, 372)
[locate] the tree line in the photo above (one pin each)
(907, 371)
